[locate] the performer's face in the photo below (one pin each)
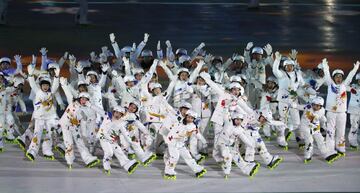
(117, 115)
(189, 119)
(237, 122)
(262, 120)
(83, 101)
(289, 68)
(45, 87)
(183, 76)
(338, 78)
(316, 107)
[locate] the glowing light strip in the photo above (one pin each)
(198, 3)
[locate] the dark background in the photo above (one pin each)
(317, 28)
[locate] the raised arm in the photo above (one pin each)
(147, 77)
(18, 63)
(126, 62)
(269, 55)
(197, 50)
(66, 88)
(159, 52)
(326, 69)
(166, 69)
(196, 71)
(104, 68)
(63, 59)
(247, 52)
(352, 73)
(31, 79)
(169, 51)
(218, 90)
(55, 83)
(43, 52)
(141, 46)
(119, 80)
(275, 68)
(115, 46)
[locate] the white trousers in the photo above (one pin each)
(172, 156)
(335, 131)
(72, 136)
(42, 126)
(353, 133)
(111, 149)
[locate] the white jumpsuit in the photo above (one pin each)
(45, 118)
(336, 110)
(109, 136)
(176, 148)
(354, 111)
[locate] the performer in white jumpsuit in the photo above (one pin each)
(109, 135)
(336, 106)
(354, 111)
(310, 126)
(289, 82)
(71, 123)
(44, 115)
(176, 147)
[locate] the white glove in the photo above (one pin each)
(249, 45)
(104, 49)
(277, 55)
(105, 67)
(268, 49)
(57, 72)
(158, 45)
(33, 59)
(114, 74)
(72, 59)
(112, 37)
(66, 54)
(63, 81)
(201, 62)
(30, 69)
(43, 51)
(168, 44)
(293, 54)
(356, 65)
(208, 58)
(146, 37)
(133, 47)
(325, 63)
(236, 56)
(17, 58)
(79, 68)
(93, 56)
(171, 58)
(202, 44)
(103, 58)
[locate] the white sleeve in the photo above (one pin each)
(196, 72)
(275, 69)
(350, 76)
(33, 84)
(55, 85)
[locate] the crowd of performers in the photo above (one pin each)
(228, 109)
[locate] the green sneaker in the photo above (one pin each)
(93, 163)
(133, 167)
(201, 173)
